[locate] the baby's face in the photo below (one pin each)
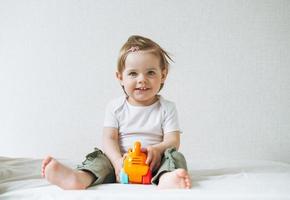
(142, 77)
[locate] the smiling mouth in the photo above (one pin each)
(142, 89)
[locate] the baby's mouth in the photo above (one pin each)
(142, 89)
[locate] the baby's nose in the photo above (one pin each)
(141, 78)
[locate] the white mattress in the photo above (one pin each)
(20, 179)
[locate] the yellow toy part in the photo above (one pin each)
(135, 167)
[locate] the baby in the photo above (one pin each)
(141, 114)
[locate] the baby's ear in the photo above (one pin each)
(164, 74)
(119, 76)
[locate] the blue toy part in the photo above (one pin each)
(124, 177)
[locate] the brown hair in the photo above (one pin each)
(143, 44)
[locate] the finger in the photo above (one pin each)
(153, 163)
(117, 178)
(157, 165)
(152, 166)
(149, 158)
(117, 174)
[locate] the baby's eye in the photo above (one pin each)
(133, 74)
(151, 73)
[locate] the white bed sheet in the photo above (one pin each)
(20, 179)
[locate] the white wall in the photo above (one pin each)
(230, 79)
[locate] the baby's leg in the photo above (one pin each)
(65, 177)
(178, 178)
(173, 171)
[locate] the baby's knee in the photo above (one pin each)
(172, 152)
(177, 157)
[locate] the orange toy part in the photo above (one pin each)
(135, 167)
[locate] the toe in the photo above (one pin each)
(181, 172)
(46, 160)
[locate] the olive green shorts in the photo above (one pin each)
(99, 165)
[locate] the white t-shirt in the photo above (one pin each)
(146, 124)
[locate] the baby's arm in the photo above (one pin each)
(155, 152)
(112, 149)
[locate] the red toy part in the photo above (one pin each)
(147, 178)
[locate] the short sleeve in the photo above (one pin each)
(170, 122)
(110, 116)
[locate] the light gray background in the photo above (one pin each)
(230, 79)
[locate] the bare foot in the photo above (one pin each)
(178, 179)
(63, 176)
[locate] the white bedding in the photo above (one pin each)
(20, 179)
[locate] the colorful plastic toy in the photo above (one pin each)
(135, 169)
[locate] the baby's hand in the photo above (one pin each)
(153, 157)
(118, 165)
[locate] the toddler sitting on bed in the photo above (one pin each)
(140, 115)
